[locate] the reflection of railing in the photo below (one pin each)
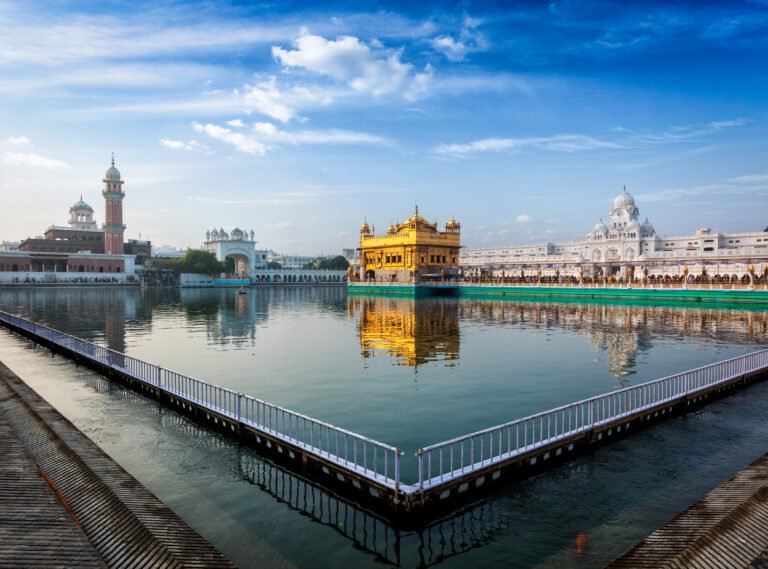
(454, 459)
(347, 451)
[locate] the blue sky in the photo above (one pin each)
(297, 120)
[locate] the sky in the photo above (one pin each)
(301, 119)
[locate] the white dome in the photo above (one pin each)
(81, 206)
(647, 229)
(624, 199)
(113, 174)
(600, 227)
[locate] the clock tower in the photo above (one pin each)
(113, 214)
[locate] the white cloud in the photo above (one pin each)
(268, 131)
(237, 123)
(17, 140)
(556, 143)
(525, 219)
(241, 142)
(469, 40)
(190, 145)
(366, 68)
(33, 160)
(265, 97)
(751, 179)
(682, 133)
(265, 135)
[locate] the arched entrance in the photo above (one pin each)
(237, 264)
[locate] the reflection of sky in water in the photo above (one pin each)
(403, 371)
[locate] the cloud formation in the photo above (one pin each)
(190, 145)
(17, 140)
(366, 68)
(33, 161)
(469, 40)
(241, 142)
(556, 143)
(525, 219)
(265, 136)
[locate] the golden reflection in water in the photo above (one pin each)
(418, 331)
(412, 332)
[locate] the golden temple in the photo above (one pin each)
(412, 251)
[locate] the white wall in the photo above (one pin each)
(8, 277)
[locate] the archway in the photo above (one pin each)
(237, 264)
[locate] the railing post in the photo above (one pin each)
(420, 454)
(239, 400)
(398, 454)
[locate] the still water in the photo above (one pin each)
(409, 373)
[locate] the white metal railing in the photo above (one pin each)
(438, 464)
(349, 451)
(447, 461)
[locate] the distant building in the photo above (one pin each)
(351, 255)
(625, 244)
(168, 252)
(410, 251)
(290, 261)
(81, 246)
(238, 245)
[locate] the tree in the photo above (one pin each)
(201, 262)
(274, 265)
(337, 263)
(163, 264)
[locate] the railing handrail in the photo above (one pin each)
(581, 402)
(324, 424)
(236, 394)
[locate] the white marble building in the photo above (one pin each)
(239, 245)
(623, 241)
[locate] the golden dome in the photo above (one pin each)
(452, 224)
(365, 228)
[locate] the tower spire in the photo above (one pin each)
(113, 159)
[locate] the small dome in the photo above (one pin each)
(452, 224)
(237, 234)
(600, 227)
(81, 206)
(624, 199)
(113, 174)
(364, 228)
(646, 229)
(391, 229)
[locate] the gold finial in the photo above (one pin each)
(113, 159)
(625, 187)
(417, 209)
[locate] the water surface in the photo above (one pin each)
(409, 373)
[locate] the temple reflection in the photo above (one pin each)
(416, 331)
(412, 332)
(622, 331)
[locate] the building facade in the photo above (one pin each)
(624, 247)
(412, 251)
(238, 245)
(79, 247)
